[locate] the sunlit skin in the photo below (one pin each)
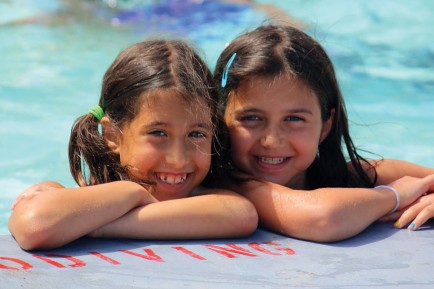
(157, 147)
(168, 143)
(275, 129)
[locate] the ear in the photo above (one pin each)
(327, 126)
(111, 134)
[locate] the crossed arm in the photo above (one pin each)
(52, 216)
(332, 214)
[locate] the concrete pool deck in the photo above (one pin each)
(379, 257)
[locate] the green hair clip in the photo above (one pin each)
(97, 111)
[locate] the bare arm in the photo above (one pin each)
(218, 214)
(60, 215)
(415, 215)
(389, 170)
(328, 214)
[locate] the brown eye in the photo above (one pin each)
(158, 133)
(197, 134)
(250, 118)
(294, 118)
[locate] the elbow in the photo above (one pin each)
(334, 225)
(29, 241)
(324, 226)
(328, 228)
(249, 223)
(29, 233)
(247, 218)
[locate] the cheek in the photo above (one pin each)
(242, 142)
(240, 139)
(307, 143)
(140, 155)
(203, 157)
(125, 156)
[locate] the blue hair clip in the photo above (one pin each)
(226, 71)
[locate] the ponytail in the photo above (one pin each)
(89, 154)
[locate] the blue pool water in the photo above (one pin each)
(54, 53)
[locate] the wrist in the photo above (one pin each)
(136, 192)
(395, 193)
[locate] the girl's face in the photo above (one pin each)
(168, 143)
(275, 129)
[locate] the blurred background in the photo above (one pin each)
(53, 55)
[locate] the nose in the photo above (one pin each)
(271, 137)
(177, 155)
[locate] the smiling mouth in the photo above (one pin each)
(271, 161)
(171, 178)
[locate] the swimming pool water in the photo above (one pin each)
(54, 54)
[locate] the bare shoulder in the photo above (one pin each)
(389, 170)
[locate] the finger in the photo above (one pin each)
(24, 194)
(20, 197)
(429, 180)
(424, 215)
(14, 204)
(409, 214)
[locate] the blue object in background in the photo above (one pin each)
(54, 54)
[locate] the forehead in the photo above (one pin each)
(169, 103)
(275, 91)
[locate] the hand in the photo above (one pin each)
(410, 189)
(415, 215)
(419, 210)
(147, 198)
(107, 229)
(30, 192)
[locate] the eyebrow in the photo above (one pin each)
(294, 110)
(162, 123)
(203, 125)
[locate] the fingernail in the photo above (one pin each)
(397, 224)
(411, 226)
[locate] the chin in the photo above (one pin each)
(273, 179)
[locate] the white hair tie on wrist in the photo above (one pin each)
(395, 192)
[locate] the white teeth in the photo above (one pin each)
(171, 179)
(272, 161)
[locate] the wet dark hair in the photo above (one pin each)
(141, 69)
(272, 50)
